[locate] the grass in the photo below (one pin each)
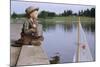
(68, 19)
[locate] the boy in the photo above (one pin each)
(29, 34)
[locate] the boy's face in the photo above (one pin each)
(34, 15)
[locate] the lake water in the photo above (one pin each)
(60, 40)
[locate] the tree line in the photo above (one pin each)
(47, 14)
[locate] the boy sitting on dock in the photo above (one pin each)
(29, 34)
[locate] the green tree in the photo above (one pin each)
(67, 13)
(14, 15)
(43, 14)
(92, 12)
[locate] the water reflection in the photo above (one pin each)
(88, 26)
(67, 27)
(48, 25)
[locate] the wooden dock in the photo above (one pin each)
(32, 55)
(28, 54)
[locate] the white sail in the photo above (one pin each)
(83, 52)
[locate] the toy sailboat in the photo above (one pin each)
(83, 52)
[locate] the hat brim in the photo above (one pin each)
(34, 10)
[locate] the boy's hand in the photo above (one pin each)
(34, 25)
(33, 30)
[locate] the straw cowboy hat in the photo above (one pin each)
(31, 9)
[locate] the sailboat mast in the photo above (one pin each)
(78, 40)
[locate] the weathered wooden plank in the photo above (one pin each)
(14, 53)
(32, 55)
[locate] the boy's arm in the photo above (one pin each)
(26, 28)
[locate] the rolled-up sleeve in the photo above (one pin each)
(26, 28)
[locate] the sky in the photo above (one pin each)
(20, 6)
